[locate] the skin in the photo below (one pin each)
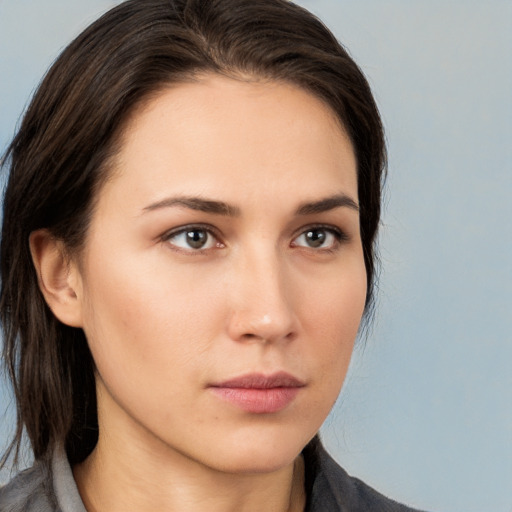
(165, 320)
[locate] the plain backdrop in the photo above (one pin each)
(426, 412)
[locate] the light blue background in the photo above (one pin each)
(426, 414)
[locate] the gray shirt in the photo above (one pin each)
(43, 488)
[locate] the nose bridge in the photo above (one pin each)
(261, 301)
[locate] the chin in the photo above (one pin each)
(260, 454)
(256, 463)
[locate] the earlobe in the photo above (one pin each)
(58, 278)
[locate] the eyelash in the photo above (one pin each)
(191, 228)
(339, 235)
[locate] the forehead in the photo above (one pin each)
(226, 135)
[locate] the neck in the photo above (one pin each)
(127, 479)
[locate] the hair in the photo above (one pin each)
(60, 157)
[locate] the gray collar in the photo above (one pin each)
(64, 484)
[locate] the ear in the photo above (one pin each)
(59, 279)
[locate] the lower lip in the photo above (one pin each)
(258, 401)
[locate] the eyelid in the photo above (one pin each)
(211, 230)
(339, 234)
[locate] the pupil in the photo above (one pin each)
(315, 238)
(196, 239)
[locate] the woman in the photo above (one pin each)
(187, 254)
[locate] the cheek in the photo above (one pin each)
(146, 325)
(332, 317)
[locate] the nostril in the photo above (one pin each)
(251, 336)
(262, 317)
(255, 337)
(267, 338)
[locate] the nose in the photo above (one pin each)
(261, 297)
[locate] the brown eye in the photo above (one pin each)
(192, 239)
(315, 237)
(196, 239)
(319, 238)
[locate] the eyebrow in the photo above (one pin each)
(196, 203)
(225, 209)
(327, 204)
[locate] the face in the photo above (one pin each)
(222, 282)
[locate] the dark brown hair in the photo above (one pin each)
(59, 158)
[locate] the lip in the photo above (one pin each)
(258, 393)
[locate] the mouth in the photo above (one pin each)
(259, 394)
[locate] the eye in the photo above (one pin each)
(319, 238)
(192, 238)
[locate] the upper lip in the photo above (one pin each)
(261, 381)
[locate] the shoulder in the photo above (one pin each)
(332, 489)
(29, 491)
